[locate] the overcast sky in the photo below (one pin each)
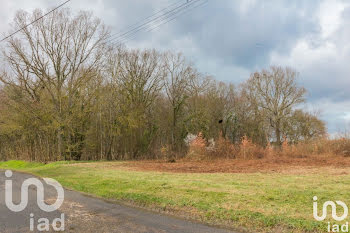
(230, 39)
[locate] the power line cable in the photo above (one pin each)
(141, 21)
(34, 21)
(169, 19)
(145, 24)
(158, 21)
(173, 18)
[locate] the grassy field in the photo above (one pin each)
(264, 202)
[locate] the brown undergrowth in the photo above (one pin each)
(337, 164)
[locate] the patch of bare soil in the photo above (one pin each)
(336, 165)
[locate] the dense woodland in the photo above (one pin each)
(67, 92)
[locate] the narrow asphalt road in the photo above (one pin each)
(85, 214)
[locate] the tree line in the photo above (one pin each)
(67, 92)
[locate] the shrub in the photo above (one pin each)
(323, 146)
(246, 149)
(249, 150)
(223, 148)
(197, 148)
(269, 151)
(167, 153)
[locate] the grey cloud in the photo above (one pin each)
(247, 38)
(229, 42)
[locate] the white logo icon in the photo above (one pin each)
(334, 210)
(40, 194)
(43, 223)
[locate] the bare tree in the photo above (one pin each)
(176, 83)
(65, 93)
(139, 81)
(276, 92)
(304, 126)
(59, 53)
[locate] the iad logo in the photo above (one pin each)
(334, 210)
(43, 223)
(335, 227)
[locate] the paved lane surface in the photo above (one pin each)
(87, 214)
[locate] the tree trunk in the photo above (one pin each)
(278, 134)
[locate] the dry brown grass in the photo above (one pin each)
(224, 149)
(249, 150)
(311, 164)
(335, 147)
